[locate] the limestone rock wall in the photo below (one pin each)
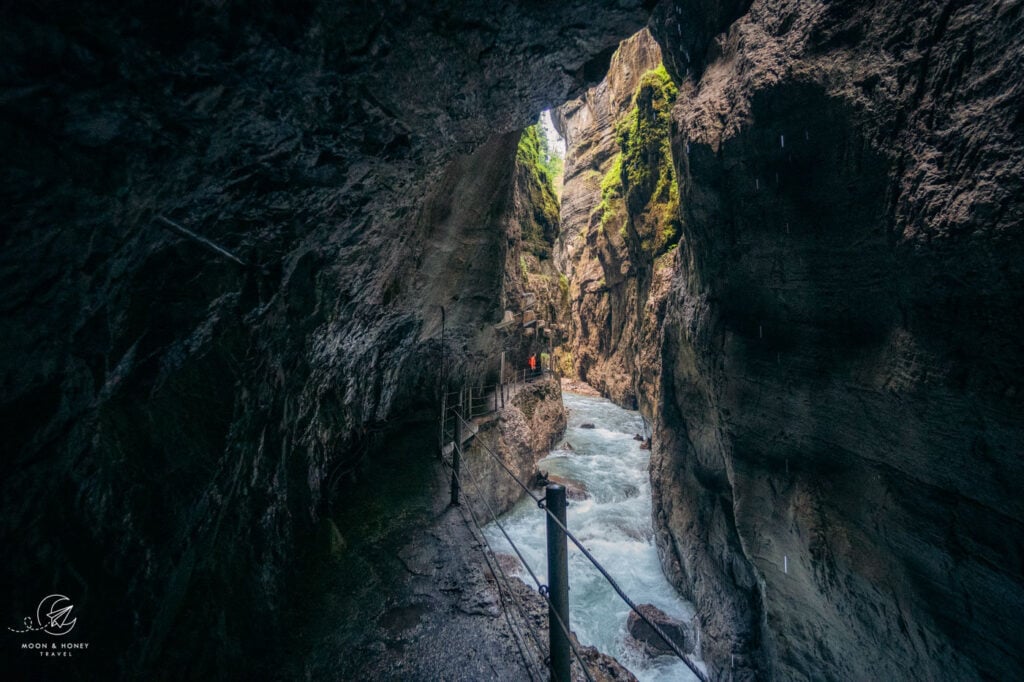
(175, 423)
(837, 457)
(613, 287)
(531, 295)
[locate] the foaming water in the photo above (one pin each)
(614, 523)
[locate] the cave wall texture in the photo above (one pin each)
(840, 352)
(176, 423)
(842, 359)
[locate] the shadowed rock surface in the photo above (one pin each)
(831, 356)
(681, 634)
(837, 454)
(836, 385)
(176, 424)
(408, 596)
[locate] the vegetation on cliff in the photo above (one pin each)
(541, 166)
(640, 192)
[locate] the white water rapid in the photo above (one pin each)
(614, 523)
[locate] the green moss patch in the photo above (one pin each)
(640, 190)
(541, 166)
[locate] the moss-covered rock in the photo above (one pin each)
(640, 192)
(536, 160)
(623, 171)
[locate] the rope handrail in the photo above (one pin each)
(590, 557)
(541, 588)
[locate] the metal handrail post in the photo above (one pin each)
(558, 585)
(444, 416)
(456, 456)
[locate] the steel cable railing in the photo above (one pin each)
(506, 594)
(486, 398)
(541, 588)
(601, 569)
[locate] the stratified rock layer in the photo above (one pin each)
(614, 289)
(837, 464)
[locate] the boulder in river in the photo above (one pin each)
(680, 632)
(574, 490)
(587, 425)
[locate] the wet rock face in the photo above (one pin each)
(680, 633)
(614, 289)
(520, 434)
(841, 414)
(176, 422)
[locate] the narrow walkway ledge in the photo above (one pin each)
(413, 600)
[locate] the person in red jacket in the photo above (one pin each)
(533, 363)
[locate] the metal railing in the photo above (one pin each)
(479, 401)
(556, 592)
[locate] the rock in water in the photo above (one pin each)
(587, 425)
(574, 490)
(602, 667)
(681, 633)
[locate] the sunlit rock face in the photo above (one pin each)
(837, 463)
(616, 284)
(175, 422)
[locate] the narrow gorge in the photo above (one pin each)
(271, 271)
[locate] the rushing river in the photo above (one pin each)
(614, 523)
